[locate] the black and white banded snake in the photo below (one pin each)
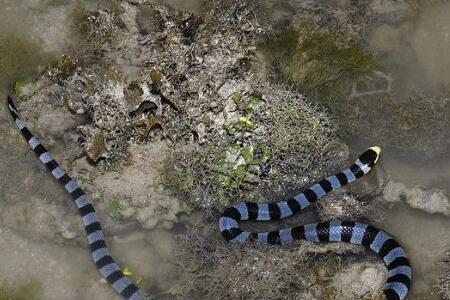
(393, 255)
(108, 268)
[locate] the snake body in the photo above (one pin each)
(380, 242)
(108, 268)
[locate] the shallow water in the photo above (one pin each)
(414, 57)
(66, 271)
(413, 54)
(27, 45)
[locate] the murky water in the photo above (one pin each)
(413, 54)
(416, 57)
(27, 45)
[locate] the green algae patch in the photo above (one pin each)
(20, 291)
(330, 69)
(313, 58)
(21, 58)
(237, 97)
(330, 61)
(20, 83)
(114, 208)
(281, 50)
(320, 65)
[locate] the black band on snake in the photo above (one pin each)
(393, 255)
(108, 268)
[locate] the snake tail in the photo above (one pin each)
(107, 266)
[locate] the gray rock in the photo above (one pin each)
(428, 200)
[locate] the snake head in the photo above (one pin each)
(370, 156)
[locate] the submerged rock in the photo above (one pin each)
(359, 281)
(428, 200)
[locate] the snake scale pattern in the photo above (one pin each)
(393, 255)
(108, 268)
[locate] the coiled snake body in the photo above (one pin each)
(399, 276)
(393, 255)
